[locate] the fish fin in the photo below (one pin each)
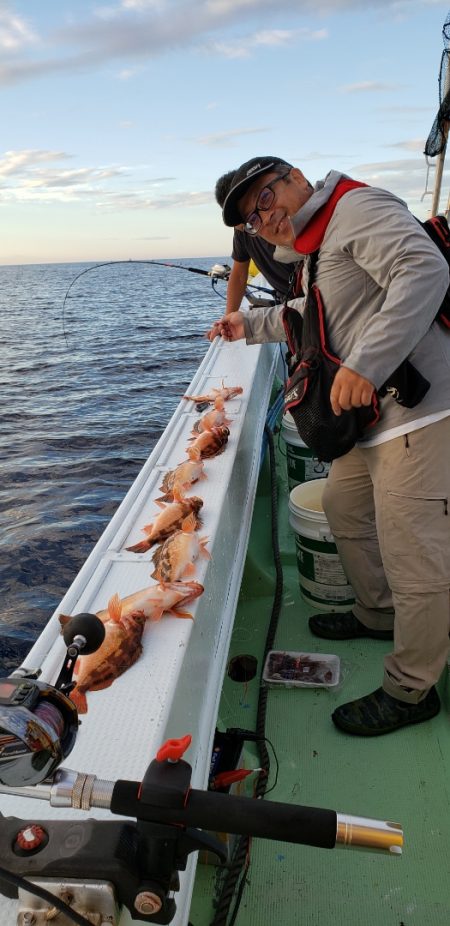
(80, 700)
(178, 494)
(204, 552)
(176, 613)
(189, 523)
(189, 570)
(147, 528)
(163, 498)
(140, 547)
(157, 615)
(160, 502)
(115, 608)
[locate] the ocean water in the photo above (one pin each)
(84, 399)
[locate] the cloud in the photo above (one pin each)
(112, 202)
(49, 179)
(138, 29)
(31, 176)
(15, 162)
(226, 139)
(15, 32)
(384, 168)
(368, 86)
(414, 144)
(246, 45)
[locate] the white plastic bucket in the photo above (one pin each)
(302, 465)
(323, 582)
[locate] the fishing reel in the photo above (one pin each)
(38, 721)
(221, 271)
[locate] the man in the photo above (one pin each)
(245, 249)
(382, 281)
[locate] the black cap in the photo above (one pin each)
(242, 180)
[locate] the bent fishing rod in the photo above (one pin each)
(216, 273)
(96, 867)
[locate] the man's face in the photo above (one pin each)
(290, 194)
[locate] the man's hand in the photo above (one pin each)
(230, 327)
(350, 390)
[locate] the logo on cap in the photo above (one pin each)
(251, 170)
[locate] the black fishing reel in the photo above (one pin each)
(38, 721)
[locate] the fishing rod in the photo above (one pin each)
(217, 272)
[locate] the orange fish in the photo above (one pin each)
(170, 520)
(175, 558)
(226, 392)
(213, 419)
(208, 444)
(124, 622)
(120, 649)
(180, 478)
(155, 600)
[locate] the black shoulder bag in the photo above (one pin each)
(312, 366)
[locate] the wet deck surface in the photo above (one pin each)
(402, 777)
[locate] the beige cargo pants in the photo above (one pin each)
(388, 508)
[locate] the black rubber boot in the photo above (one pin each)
(380, 713)
(345, 626)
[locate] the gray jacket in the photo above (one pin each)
(382, 280)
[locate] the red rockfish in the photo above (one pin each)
(176, 556)
(212, 419)
(171, 519)
(226, 392)
(208, 444)
(180, 478)
(120, 649)
(124, 622)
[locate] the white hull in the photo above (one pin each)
(175, 686)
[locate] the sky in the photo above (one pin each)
(117, 118)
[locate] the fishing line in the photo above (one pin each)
(220, 274)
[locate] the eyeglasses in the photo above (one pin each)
(265, 200)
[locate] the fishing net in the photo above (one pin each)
(437, 138)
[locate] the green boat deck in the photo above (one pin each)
(402, 777)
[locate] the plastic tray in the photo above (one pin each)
(301, 670)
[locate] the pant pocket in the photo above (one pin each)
(417, 541)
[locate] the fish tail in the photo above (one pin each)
(140, 547)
